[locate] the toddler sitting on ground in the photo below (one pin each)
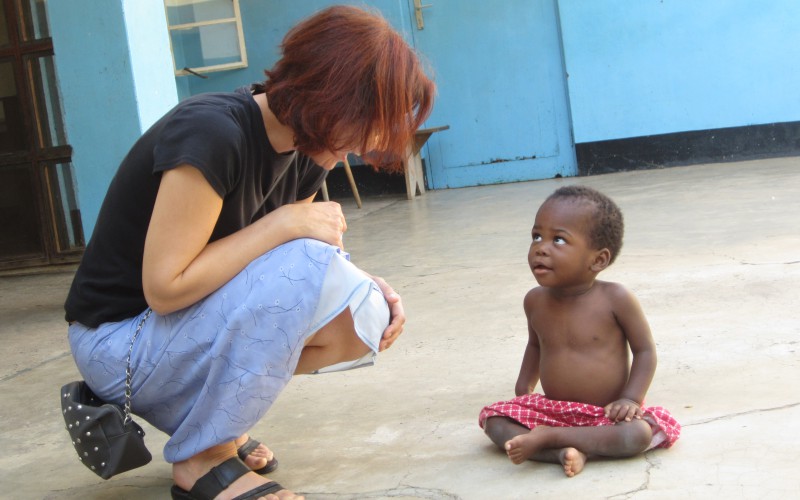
(579, 333)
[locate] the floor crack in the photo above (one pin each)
(403, 491)
(743, 413)
(770, 263)
(31, 368)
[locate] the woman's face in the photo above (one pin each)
(329, 159)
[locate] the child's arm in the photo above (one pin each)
(632, 320)
(529, 371)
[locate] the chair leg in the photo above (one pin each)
(350, 178)
(324, 188)
(412, 168)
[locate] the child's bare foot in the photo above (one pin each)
(572, 460)
(524, 446)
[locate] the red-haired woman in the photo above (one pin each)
(208, 244)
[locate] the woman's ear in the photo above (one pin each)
(601, 260)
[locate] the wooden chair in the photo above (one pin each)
(412, 165)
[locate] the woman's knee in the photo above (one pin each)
(336, 342)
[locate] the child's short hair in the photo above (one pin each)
(607, 226)
(347, 79)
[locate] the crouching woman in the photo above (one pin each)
(208, 244)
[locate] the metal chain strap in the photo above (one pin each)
(128, 369)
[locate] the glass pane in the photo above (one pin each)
(12, 123)
(194, 11)
(206, 46)
(34, 19)
(49, 122)
(19, 222)
(61, 184)
(4, 40)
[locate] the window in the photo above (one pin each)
(40, 220)
(206, 35)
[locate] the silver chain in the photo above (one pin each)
(128, 369)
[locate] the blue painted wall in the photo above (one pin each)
(264, 25)
(642, 67)
(115, 76)
(636, 68)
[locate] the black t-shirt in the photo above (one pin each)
(223, 136)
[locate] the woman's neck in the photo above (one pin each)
(280, 136)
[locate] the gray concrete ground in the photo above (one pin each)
(712, 251)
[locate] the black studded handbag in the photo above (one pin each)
(105, 436)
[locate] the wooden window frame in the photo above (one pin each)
(236, 20)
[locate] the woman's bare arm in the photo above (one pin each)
(180, 267)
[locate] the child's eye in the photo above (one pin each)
(558, 240)
(537, 237)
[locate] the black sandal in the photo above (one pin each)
(246, 449)
(218, 479)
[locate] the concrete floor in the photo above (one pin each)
(712, 252)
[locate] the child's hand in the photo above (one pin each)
(623, 409)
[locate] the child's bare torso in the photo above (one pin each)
(583, 351)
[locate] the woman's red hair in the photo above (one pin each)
(348, 80)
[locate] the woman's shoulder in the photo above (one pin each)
(207, 121)
(222, 107)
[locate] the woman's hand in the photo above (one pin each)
(181, 267)
(323, 221)
(397, 314)
(623, 409)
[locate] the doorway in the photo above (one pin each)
(39, 216)
(502, 89)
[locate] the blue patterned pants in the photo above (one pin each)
(206, 374)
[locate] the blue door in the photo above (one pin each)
(501, 89)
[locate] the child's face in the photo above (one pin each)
(560, 253)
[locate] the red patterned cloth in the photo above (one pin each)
(531, 410)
